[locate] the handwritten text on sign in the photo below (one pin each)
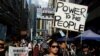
(18, 51)
(70, 16)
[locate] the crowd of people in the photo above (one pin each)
(51, 47)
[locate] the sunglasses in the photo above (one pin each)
(55, 46)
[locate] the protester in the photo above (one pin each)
(64, 50)
(73, 49)
(41, 51)
(2, 48)
(14, 42)
(85, 51)
(44, 45)
(30, 47)
(53, 48)
(36, 50)
(23, 43)
(95, 51)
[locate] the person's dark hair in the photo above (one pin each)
(60, 42)
(51, 42)
(36, 45)
(85, 46)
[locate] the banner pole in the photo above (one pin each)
(66, 37)
(66, 40)
(81, 38)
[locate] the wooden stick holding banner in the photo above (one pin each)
(53, 23)
(82, 33)
(81, 39)
(67, 35)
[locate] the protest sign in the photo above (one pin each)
(70, 16)
(18, 51)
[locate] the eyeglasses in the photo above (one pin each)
(55, 46)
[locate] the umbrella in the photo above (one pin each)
(89, 35)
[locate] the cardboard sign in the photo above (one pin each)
(70, 16)
(18, 51)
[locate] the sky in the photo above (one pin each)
(42, 3)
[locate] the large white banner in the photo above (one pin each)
(18, 51)
(70, 16)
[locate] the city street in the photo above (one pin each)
(49, 28)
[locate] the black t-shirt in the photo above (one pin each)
(82, 54)
(2, 53)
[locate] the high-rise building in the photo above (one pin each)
(3, 29)
(44, 20)
(14, 15)
(32, 21)
(53, 3)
